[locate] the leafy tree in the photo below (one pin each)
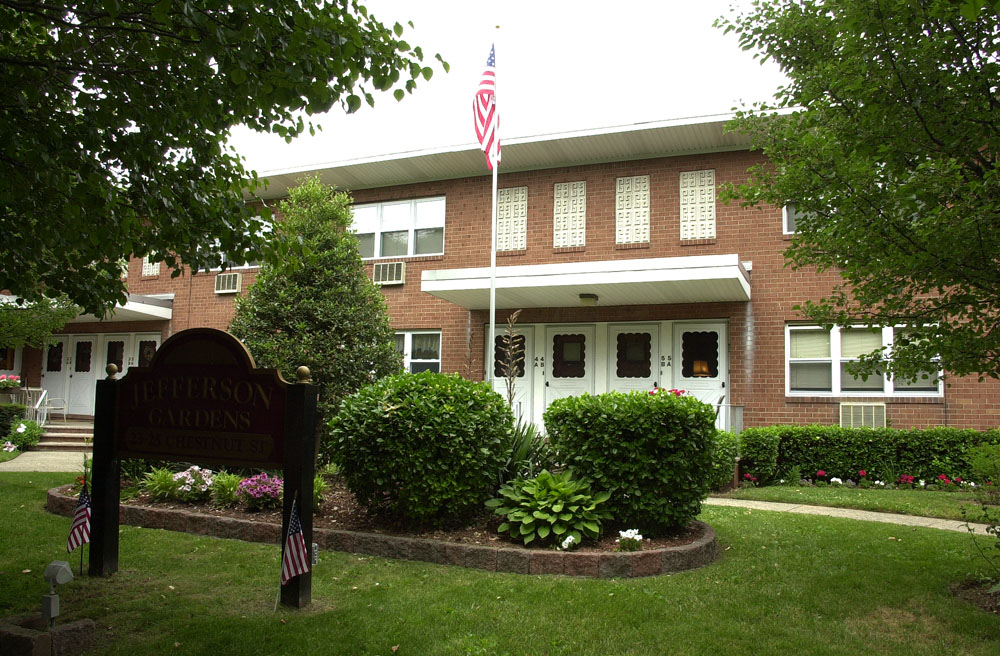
(33, 324)
(323, 312)
(114, 118)
(886, 140)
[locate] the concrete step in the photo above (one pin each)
(78, 438)
(62, 446)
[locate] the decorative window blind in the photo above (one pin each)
(632, 210)
(150, 268)
(512, 219)
(698, 204)
(569, 214)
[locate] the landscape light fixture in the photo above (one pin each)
(588, 300)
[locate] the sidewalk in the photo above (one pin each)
(45, 461)
(848, 513)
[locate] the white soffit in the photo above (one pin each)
(654, 281)
(702, 134)
(136, 308)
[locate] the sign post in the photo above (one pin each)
(202, 400)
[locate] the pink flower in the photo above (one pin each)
(862, 473)
(821, 473)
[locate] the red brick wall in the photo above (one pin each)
(757, 341)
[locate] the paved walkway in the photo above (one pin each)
(849, 513)
(72, 461)
(45, 461)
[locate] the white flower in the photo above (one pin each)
(631, 534)
(781, 482)
(880, 483)
(836, 480)
(921, 482)
(568, 542)
(971, 484)
(22, 428)
(9, 446)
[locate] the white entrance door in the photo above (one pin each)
(55, 368)
(520, 353)
(117, 350)
(82, 375)
(569, 360)
(633, 357)
(701, 364)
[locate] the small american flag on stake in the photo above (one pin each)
(79, 532)
(484, 107)
(295, 559)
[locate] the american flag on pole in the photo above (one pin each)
(79, 532)
(484, 107)
(295, 559)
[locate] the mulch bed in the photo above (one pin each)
(978, 593)
(341, 511)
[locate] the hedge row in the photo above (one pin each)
(771, 453)
(10, 413)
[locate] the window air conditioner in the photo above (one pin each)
(389, 273)
(227, 283)
(862, 415)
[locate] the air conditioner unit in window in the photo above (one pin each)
(862, 415)
(389, 273)
(227, 283)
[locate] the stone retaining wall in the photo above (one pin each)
(494, 559)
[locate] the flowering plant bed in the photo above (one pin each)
(343, 525)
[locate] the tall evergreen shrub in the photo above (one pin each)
(321, 311)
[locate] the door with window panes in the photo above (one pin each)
(701, 364)
(633, 351)
(519, 352)
(82, 376)
(569, 362)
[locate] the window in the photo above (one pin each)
(632, 210)
(818, 360)
(569, 214)
(512, 219)
(7, 354)
(401, 228)
(790, 219)
(421, 350)
(697, 191)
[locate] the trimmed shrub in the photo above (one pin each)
(885, 453)
(428, 448)
(10, 413)
(725, 453)
(652, 451)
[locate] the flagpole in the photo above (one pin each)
(493, 280)
(284, 544)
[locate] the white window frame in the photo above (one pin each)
(836, 360)
(786, 212)
(408, 348)
(569, 210)
(416, 222)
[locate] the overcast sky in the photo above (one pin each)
(561, 66)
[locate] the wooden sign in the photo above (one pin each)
(201, 399)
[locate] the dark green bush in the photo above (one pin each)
(528, 453)
(9, 413)
(725, 452)
(770, 453)
(428, 448)
(652, 451)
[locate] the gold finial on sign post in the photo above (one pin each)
(303, 375)
(112, 371)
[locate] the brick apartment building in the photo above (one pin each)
(629, 272)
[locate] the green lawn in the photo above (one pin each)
(946, 505)
(783, 584)
(8, 455)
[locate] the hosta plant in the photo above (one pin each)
(550, 508)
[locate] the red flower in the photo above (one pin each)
(862, 473)
(821, 473)
(958, 479)
(906, 479)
